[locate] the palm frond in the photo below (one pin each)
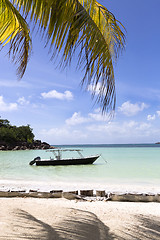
(85, 26)
(14, 30)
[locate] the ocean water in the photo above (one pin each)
(125, 167)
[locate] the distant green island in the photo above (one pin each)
(19, 138)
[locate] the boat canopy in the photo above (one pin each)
(59, 150)
(63, 150)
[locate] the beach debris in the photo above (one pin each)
(12, 193)
(86, 193)
(38, 194)
(74, 192)
(71, 195)
(56, 193)
(133, 197)
(32, 190)
(100, 193)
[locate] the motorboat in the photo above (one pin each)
(58, 160)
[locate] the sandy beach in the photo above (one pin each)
(61, 219)
(73, 186)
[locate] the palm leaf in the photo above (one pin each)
(14, 30)
(85, 26)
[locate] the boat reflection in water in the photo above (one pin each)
(58, 160)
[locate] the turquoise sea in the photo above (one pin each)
(128, 166)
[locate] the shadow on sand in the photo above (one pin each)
(146, 227)
(76, 225)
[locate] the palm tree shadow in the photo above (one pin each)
(76, 225)
(83, 225)
(146, 227)
(26, 226)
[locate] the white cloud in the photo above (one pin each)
(5, 107)
(12, 83)
(22, 101)
(143, 126)
(131, 124)
(98, 116)
(98, 132)
(55, 132)
(113, 128)
(90, 128)
(63, 135)
(130, 109)
(125, 132)
(158, 112)
(151, 118)
(76, 119)
(67, 95)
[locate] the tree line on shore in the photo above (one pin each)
(18, 138)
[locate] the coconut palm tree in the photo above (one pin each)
(67, 26)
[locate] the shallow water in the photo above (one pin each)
(118, 165)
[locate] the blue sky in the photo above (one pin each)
(60, 112)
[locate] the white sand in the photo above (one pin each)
(61, 219)
(70, 186)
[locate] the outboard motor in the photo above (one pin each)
(34, 160)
